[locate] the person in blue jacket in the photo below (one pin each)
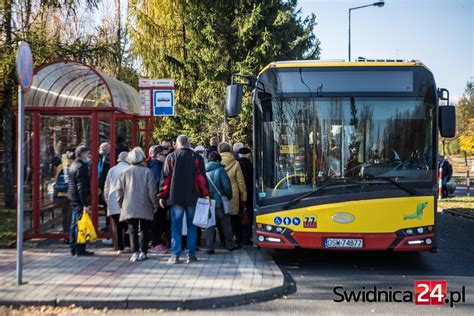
(219, 181)
(160, 225)
(154, 163)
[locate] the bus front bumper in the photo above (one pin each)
(398, 241)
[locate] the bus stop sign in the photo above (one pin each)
(163, 102)
(24, 66)
(157, 97)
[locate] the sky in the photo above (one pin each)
(439, 33)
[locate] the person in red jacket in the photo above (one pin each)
(183, 181)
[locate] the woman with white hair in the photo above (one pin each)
(236, 148)
(136, 196)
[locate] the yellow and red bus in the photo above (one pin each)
(345, 154)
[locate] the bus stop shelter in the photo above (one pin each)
(71, 103)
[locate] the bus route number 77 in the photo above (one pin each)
(309, 221)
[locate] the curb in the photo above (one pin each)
(192, 304)
(287, 287)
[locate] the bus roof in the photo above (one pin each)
(340, 63)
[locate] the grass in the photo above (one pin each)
(459, 203)
(7, 226)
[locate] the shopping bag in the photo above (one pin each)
(227, 205)
(85, 229)
(205, 213)
(212, 220)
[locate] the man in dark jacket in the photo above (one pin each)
(447, 172)
(247, 170)
(79, 193)
(183, 182)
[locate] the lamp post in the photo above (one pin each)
(375, 4)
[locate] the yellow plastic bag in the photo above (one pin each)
(85, 230)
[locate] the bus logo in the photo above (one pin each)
(343, 218)
(418, 214)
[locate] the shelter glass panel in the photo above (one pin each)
(124, 140)
(58, 139)
(28, 167)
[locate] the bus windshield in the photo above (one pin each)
(303, 141)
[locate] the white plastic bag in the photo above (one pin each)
(205, 213)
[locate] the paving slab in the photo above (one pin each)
(53, 277)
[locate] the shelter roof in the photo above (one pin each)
(71, 84)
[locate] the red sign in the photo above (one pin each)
(430, 292)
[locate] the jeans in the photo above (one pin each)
(134, 224)
(76, 214)
(177, 213)
(224, 221)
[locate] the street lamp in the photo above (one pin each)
(375, 4)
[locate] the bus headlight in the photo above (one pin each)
(273, 239)
(416, 242)
(279, 229)
(268, 228)
(261, 238)
(409, 231)
(420, 230)
(428, 241)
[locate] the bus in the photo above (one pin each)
(345, 154)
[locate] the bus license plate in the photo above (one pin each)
(343, 243)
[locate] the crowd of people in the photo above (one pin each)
(151, 199)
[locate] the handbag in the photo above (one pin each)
(205, 213)
(85, 229)
(226, 203)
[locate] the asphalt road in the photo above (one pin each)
(316, 273)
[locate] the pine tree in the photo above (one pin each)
(200, 44)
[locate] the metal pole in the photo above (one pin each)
(20, 179)
(468, 183)
(355, 8)
(440, 182)
(349, 34)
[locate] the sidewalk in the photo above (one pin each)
(56, 278)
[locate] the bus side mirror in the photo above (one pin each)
(233, 100)
(447, 121)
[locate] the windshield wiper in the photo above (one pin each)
(331, 182)
(395, 183)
